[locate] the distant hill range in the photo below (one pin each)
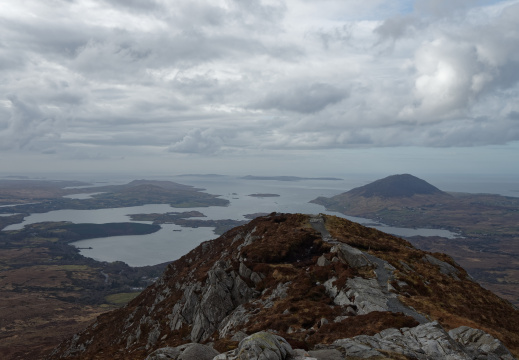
(287, 178)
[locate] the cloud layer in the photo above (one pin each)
(84, 78)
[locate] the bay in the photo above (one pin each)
(169, 243)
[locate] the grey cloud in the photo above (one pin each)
(47, 36)
(305, 99)
(198, 142)
(196, 77)
(338, 35)
(136, 5)
(441, 8)
(26, 124)
(396, 27)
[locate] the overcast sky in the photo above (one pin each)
(294, 87)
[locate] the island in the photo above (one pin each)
(288, 178)
(264, 195)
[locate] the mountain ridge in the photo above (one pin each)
(311, 280)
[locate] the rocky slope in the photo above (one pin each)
(298, 286)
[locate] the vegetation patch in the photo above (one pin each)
(121, 299)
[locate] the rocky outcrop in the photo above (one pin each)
(425, 342)
(203, 307)
(260, 346)
(480, 345)
(191, 351)
(295, 287)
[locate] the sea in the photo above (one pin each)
(172, 241)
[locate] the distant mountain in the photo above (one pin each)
(295, 287)
(397, 186)
(392, 192)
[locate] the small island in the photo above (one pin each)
(288, 178)
(264, 195)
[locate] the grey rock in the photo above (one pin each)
(357, 349)
(368, 295)
(255, 277)
(445, 268)
(322, 261)
(427, 342)
(351, 256)
(326, 354)
(204, 306)
(191, 351)
(244, 271)
(164, 354)
(237, 317)
(239, 336)
(280, 292)
(153, 336)
(479, 343)
(198, 352)
(340, 318)
(300, 354)
(259, 346)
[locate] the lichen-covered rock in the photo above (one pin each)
(166, 353)
(260, 346)
(326, 354)
(445, 268)
(191, 351)
(426, 342)
(198, 352)
(205, 306)
(351, 256)
(480, 344)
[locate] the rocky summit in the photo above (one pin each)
(293, 286)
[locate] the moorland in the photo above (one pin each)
(48, 289)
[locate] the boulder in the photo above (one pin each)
(164, 354)
(260, 346)
(198, 352)
(191, 351)
(351, 256)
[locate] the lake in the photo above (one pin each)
(169, 244)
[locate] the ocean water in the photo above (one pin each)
(172, 241)
(169, 243)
